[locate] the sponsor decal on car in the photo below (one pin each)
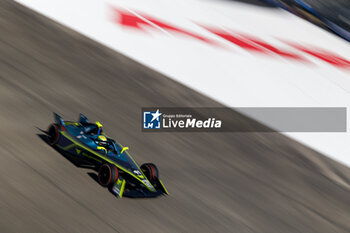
(148, 184)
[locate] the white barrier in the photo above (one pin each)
(238, 54)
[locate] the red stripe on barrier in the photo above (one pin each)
(275, 50)
(134, 21)
(323, 55)
(245, 42)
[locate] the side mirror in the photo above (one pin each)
(124, 149)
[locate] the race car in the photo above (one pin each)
(329, 14)
(116, 168)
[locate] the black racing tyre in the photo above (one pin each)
(53, 134)
(150, 170)
(107, 175)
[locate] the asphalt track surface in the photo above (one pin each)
(218, 182)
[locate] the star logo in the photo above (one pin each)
(156, 115)
(151, 120)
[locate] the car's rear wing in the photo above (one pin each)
(83, 119)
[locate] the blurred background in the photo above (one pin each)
(108, 59)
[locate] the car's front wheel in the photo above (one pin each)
(150, 170)
(107, 175)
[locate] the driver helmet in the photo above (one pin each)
(101, 140)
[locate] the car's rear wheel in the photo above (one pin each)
(150, 170)
(107, 175)
(53, 134)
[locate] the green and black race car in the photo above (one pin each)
(116, 168)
